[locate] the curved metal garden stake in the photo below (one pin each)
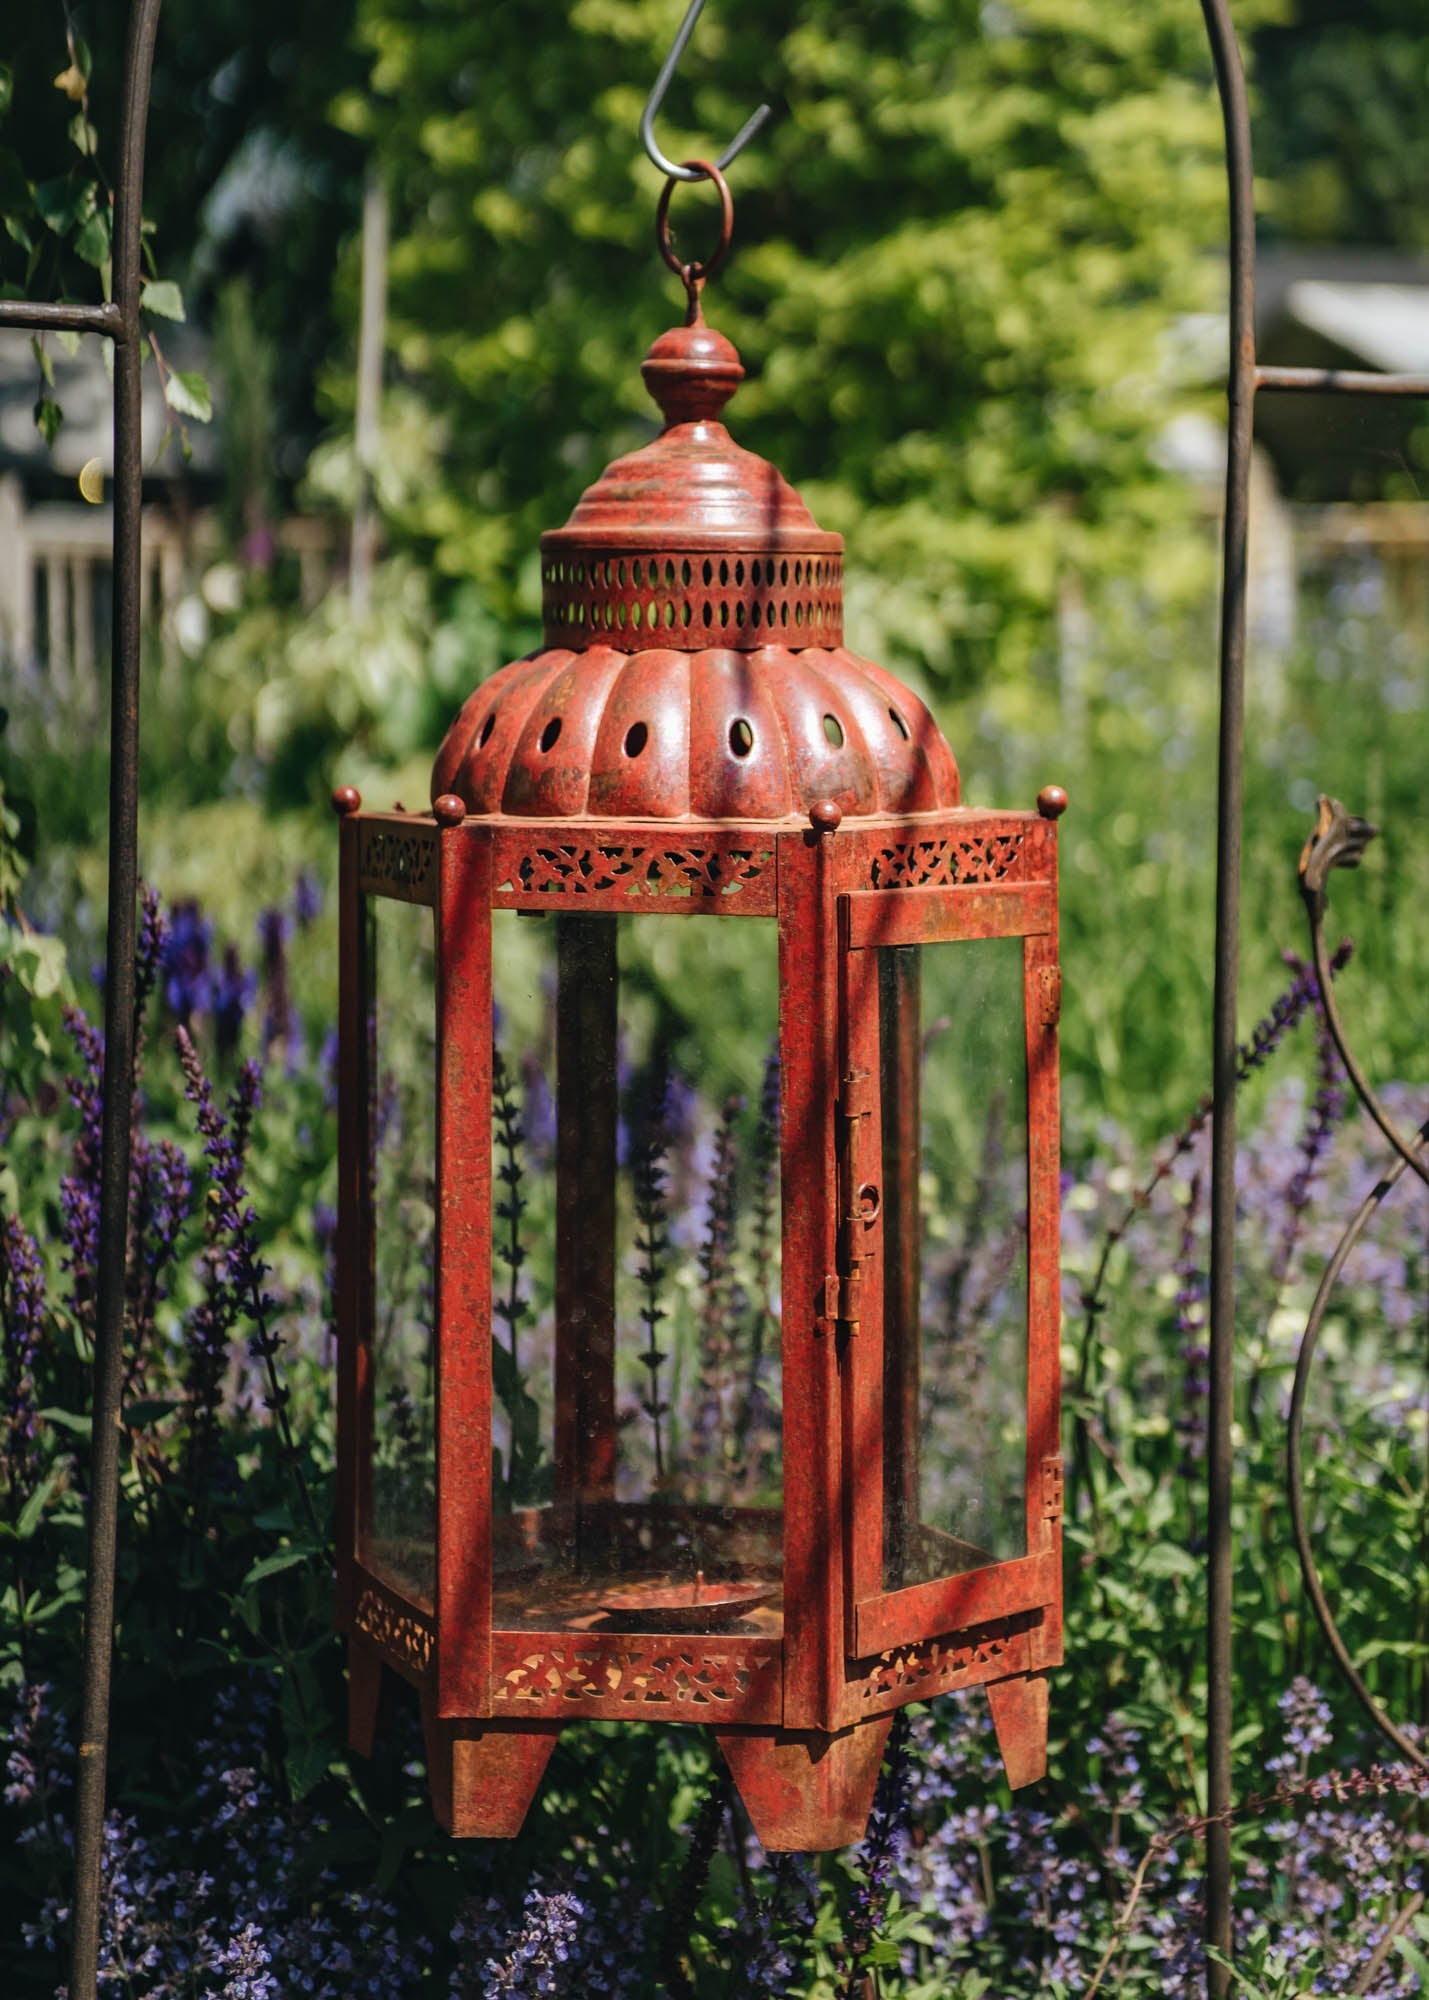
(1246, 377)
(741, 139)
(120, 320)
(1338, 840)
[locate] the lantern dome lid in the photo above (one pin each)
(691, 540)
(693, 664)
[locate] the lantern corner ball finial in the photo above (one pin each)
(1051, 802)
(346, 800)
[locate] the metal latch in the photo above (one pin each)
(1052, 1487)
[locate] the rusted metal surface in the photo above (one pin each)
(463, 1273)
(694, 740)
(842, 1650)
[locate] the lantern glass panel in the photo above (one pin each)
(523, 1218)
(954, 1093)
(637, 1419)
(400, 1534)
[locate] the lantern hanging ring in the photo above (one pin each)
(693, 274)
(741, 139)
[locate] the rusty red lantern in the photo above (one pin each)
(548, 1509)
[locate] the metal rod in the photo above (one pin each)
(1348, 381)
(61, 317)
(1230, 80)
(737, 144)
(118, 1006)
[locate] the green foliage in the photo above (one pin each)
(63, 222)
(957, 252)
(1341, 127)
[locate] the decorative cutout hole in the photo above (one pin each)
(669, 614)
(709, 614)
(549, 734)
(741, 737)
(898, 723)
(724, 572)
(685, 570)
(486, 729)
(708, 571)
(636, 737)
(833, 730)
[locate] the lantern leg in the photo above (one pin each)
(586, 1112)
(900, 1000)
(483, 1776)
(369, 1696)
(806, 1791)
(1019, 1715)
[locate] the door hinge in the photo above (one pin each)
(841, 1301)
(856, 1095)
(1049, 978)
(1052, 1487)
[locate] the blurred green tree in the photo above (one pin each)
(1343, 125)
(958, 252)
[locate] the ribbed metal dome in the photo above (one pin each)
(717, 734)
(693, 664)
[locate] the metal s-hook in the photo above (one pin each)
(656, 98)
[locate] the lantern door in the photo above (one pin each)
(411, 1297)
(948, 1203)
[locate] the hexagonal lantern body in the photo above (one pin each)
(819, 1477)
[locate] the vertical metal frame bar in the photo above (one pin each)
(1230, 79)
(354, 1225)
(1041, 998)
(120, 320)
(463, 1273)
(813, 1456)
(861, 1146)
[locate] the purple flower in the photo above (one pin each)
(22, 1313)
(307, 898)
(231, 990)
(188, 975)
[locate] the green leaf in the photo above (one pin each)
(272, 1565)
(92, 242)
(139, 1416)
(61, 203)
(35, 1506)
(1168, 1559)
(7, 87)
(69, 340)
(67, 1421)
(83, 136)
(162, 296)
(188, 395)
(42, 358)
(48, 418)
(14, 187)
(1415, 1959)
